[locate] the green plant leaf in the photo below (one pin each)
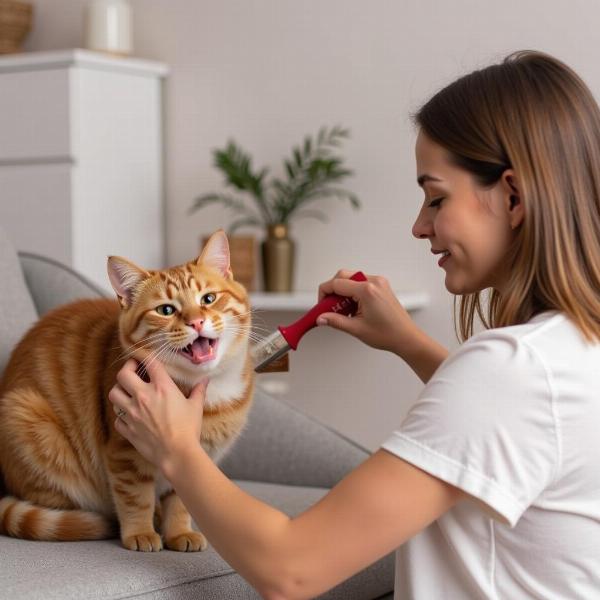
(315, 214)
(236, 166)
(243, 223)
(325, 192)
(307, 146)
(289, 167)
(227, 201)
(310, 173)
(298, 157)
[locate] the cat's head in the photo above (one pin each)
(193, 317)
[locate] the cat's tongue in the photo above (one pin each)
(202, 350)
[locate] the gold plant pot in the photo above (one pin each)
(242, 252)
(278, 259)
(15, 23)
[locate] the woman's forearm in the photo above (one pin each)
(423, 354)
(249, 534)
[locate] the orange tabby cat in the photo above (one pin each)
(71, 476)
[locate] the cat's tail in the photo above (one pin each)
(22, 519)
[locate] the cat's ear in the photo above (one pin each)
(124, 277)
(216, 254)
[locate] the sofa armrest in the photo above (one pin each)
(282, 445)
(51, 283)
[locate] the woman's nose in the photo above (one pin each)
(422, 227)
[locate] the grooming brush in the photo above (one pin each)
(287, 338)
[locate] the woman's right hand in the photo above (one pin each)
(380, 322)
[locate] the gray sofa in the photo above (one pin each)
(283, 457)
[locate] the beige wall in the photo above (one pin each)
(268, 72)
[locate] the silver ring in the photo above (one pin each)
(121, 413)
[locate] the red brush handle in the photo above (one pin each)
(332, 303)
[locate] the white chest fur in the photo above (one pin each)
(228, 385)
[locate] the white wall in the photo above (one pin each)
(268, 72)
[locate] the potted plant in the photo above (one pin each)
(312, 173)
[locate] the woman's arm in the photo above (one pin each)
(424, 355)
(368, 514)
(372, 511)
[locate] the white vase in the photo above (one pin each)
(108, 27)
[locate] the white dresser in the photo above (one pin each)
(81, 158)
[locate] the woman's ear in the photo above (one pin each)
(513, 199)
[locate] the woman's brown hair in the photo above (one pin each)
(534, 114)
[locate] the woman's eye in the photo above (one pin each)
(166, 310)
(435, 202)
(208, 298)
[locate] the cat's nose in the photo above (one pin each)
(196, 324)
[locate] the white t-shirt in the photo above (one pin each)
(513, 418)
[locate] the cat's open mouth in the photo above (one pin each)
(201, 350)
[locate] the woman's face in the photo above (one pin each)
(475, 225)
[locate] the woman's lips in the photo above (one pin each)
(444, 259)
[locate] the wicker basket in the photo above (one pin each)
(15, 23)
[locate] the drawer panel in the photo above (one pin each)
(35, 208)
(34, 115)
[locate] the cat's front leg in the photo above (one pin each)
(133, 491)
(177, 526)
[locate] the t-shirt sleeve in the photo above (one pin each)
(485, 424)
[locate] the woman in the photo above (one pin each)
(491, 485)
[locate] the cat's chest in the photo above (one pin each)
(224, 391)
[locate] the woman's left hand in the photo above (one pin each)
(159, 420)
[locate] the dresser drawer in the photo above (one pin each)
(35, 208)
(34, 115)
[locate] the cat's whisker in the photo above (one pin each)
(252, 336)
(253, 312)
(249, 327)
(140, 345)
(170, 353)
(144, 340)
(158, 356)
(164, 354)
(246, 327)
(166, 346)
(151, 335)
(238, 327)
(250, 312)
(161, 343)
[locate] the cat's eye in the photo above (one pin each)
(166, 310)
(209, 298)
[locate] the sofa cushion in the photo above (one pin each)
(282, 445)
(17, 310)
(51, 283)
(105, 570)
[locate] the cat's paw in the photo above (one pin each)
(190, 541)
(143, 542)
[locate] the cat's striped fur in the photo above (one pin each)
(69, 474)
